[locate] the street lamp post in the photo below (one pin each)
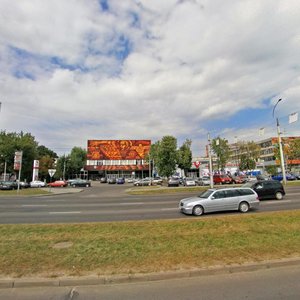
(280, 145)
(210, 162)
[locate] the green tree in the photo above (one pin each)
(77, 160)
(11, 142)
(247, 163)
(294, 149)
(165, 155)
(185, 156)
(250, 153)
(220, 148)
(69, 166)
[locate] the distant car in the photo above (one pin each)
(222, 179)
(263, 177)
(174, 181)
(157, 180)
(212, 200)
(130, 180)
(24, 185)
(288, 176)
(37, 184)
(250, 178)
(120, 180)
(205, 180)
(267, 189)
(80, 183)
(238, 179)
(58, 183)
(189, 181)
(103, 180)
(111, 180)
(8, 185)
(142, 182)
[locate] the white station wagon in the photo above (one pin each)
(212, 200)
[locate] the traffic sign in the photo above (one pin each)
(51, 172)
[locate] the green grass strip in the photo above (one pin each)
(147, 246)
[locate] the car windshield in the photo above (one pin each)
(205, 194)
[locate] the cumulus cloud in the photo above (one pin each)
(77, 70)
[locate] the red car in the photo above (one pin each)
(222, 179)
(58, 183)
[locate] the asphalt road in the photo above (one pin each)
(104, 203)
(265, 284)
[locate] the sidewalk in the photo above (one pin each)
(116, 279)
(58, 191)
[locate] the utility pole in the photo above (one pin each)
(210, 162)
(280, 145)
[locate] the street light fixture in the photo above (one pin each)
(280, 144)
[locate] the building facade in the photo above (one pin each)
(117, 158)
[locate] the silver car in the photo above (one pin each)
(212, 200)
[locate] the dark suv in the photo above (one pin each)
(267, 189)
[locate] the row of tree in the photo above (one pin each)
(48, 159)
(165, 153)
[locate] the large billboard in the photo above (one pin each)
(117, 149)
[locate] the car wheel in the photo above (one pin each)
(278, 196)
(244, 207)
(198, 210)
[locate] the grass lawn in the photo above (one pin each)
(23, 192)
(147, 246)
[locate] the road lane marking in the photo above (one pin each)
(63, 212)
(34, 205)
(166, 209)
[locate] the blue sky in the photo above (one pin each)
(78, 70)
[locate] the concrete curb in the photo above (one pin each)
(131, 278)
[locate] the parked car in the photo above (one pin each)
(288, 176)
(130, 180)
(238, 179)
(80, 183)
(263, 177)
(103, 180)
(188, 181)
(205, 180)
(37, 184)
(267, 189)
(24, 185)
(222, 179)
(211, 200)
(58, 183)
(120, 180)
(8, 185)
(173, 181)
(157, 180)
(251, 178)
(142, 182)
(111, 180)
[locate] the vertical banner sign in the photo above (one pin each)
(35, 171)
(18, 165)
(18, 160)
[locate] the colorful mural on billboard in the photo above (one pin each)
(117, 149)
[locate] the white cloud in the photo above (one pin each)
(144, 69)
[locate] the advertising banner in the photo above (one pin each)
(18, 160)
(117, 149)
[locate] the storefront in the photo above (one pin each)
(117, 158)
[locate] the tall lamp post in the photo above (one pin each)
(280, 144)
